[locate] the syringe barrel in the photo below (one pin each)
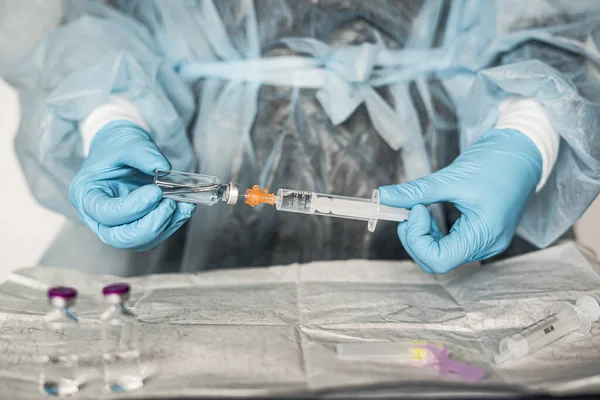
(566, 318)
(375, 350)
(338, 206)
(297, 201)
(408, 351)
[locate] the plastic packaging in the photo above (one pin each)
(195, 188)
(61, 330)
(565, 318)
(121, 354)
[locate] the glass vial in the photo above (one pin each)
(60, 358)
(195, 188)
(121, 355)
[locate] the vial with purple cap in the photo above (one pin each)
(58, 377)
(121, 355)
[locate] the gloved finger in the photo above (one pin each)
(183, 213)
(141, 232)
(145, 156)
(427, 190)
(113, 211)
(435, 230)
(459, 246)
(402, 235)
(121, 143)
(441, 255)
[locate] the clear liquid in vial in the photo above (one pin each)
(58, 377)
(121, 355)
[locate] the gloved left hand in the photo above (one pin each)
(111, 193)
(490, 184)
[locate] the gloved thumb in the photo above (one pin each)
(123, 143)
(427, 190)
(145, 156)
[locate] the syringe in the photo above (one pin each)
(565, 318)
(418, 353)
(299, 201)
(402, 351)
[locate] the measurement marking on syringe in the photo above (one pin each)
(545, 325)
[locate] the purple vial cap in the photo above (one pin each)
(116, 288)
(63, 292)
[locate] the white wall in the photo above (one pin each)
(26, 228)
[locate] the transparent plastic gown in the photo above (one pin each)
(328, 96)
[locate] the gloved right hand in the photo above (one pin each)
(111, 198)
(490, 183)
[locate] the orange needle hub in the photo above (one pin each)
(255, 196)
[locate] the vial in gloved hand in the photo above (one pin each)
(200, 189)
(121, 355)
(61, 330)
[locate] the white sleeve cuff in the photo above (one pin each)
(528, 116)
(117, 109)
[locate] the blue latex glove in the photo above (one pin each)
(110, 194)
(490, 184)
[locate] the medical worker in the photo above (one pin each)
(480, 116)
